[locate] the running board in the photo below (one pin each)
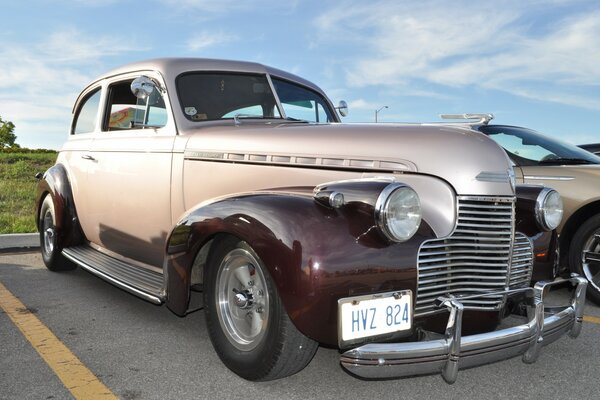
(139, 281)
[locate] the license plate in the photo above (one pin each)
(373, 315)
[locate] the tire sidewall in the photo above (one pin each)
(47, 205)
(53, 260)
(255, 363)
(575, 251)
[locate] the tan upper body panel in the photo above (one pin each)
(461, 157)
(188, 162)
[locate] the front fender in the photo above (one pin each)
(314, 254)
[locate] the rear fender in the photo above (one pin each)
(55, 183)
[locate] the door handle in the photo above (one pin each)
(88, 157)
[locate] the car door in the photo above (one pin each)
(75, 153)
(130, 169)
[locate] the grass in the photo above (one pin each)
(18, 189)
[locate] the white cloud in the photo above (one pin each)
(464, 43)
(211, 8)
(361, 104)
(39, 83)
(204, 40)
(94, 3)
(208, 6)
(85, 50)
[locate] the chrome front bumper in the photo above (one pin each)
(453, 352)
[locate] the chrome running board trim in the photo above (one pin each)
(146, 284)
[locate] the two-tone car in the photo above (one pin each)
(234, 185)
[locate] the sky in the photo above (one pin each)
(531, 63)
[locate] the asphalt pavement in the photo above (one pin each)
(143, 351)
(19, 242)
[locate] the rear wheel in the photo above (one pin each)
(584, 255)
(247, 323)
(51, 251)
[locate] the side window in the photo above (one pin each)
(85, 121)
(302, 103)
(125, 111)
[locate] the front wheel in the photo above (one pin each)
(584, 255)
(247, 323)
(51, 251)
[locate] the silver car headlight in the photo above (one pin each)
(398, 212)
(548, 209)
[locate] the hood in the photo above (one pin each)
(471, 162)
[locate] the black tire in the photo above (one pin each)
(49, 244)
(275, 349)
(587, 238)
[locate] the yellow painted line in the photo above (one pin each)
(594, 320)
(76, 377)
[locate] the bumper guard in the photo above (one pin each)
(453, 352)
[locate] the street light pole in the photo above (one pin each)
(377, 112)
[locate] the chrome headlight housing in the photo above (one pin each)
(548, 209)
(398, 212)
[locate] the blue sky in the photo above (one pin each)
(531, 63)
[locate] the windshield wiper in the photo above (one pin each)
(237, 117)
(565, 160)
(295, 120)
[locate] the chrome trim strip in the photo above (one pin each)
(301, 161)
(114, 281)
(549, 177)
(454, 351)
(491, 176)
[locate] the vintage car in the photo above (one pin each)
(233, 186)
(574, 173)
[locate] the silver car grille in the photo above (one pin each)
(521, 266)
(474, 259)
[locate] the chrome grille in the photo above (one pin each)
(474, 259)
(521, 266)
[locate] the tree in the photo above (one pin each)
(7, 137)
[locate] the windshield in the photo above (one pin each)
(214, 96)
(224, 95)
(527, 147)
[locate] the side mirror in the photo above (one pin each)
(342, 108)
(142, 87)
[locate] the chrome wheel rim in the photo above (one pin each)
(49, 232)
(590, 260)
(242, 299)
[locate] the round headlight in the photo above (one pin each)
(549, 209)
(398, 212)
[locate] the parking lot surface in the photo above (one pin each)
(142, 351)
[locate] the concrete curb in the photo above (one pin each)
(19, 242)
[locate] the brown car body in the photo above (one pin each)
(147, 207)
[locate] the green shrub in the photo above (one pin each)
(18, 187)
